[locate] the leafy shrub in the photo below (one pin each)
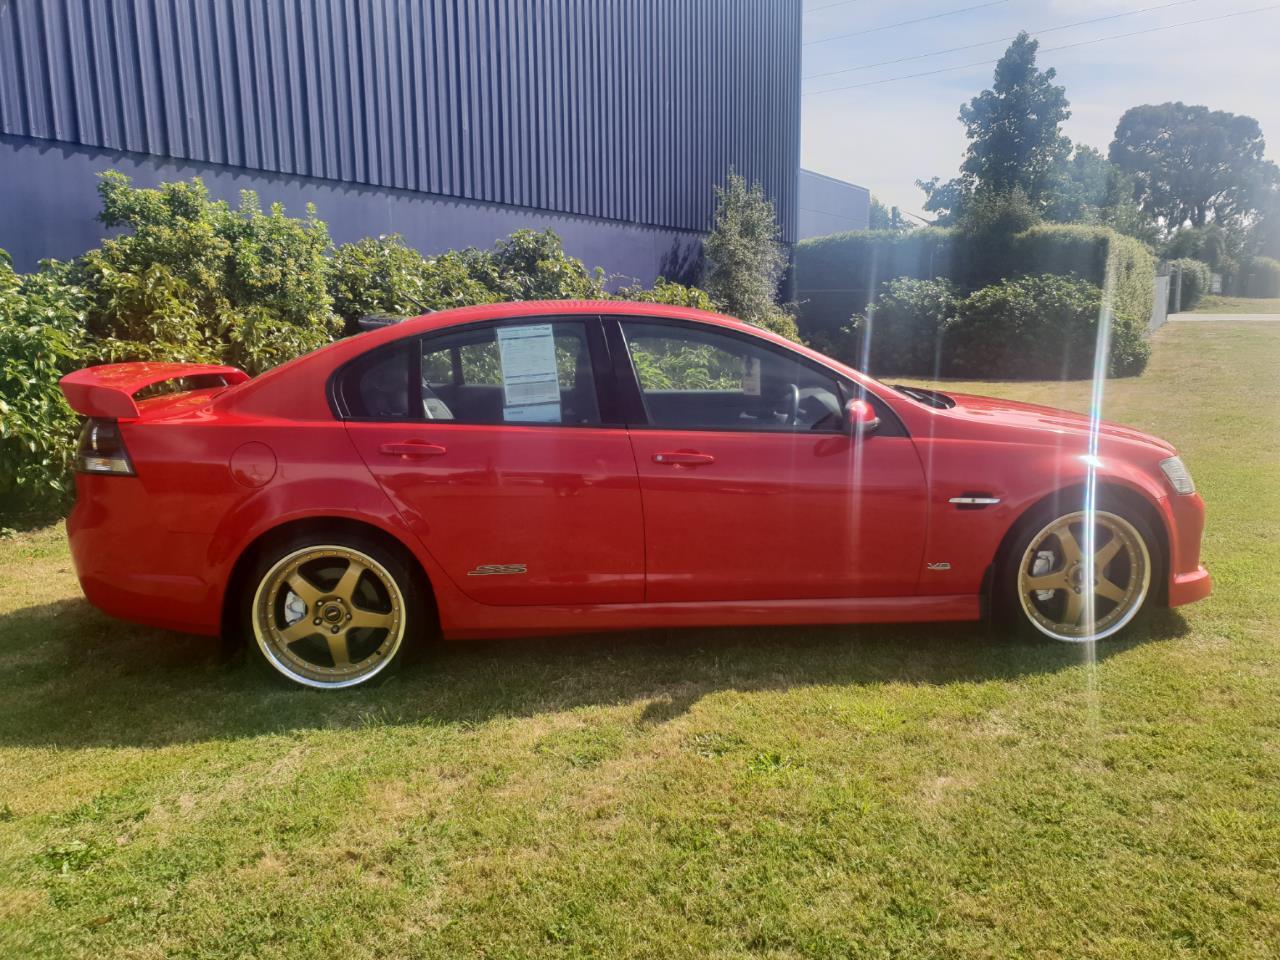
(198, 279)
(1038, 327)
(744, 258)
(383, 275)
(779, 320)
(670, 293)
(532, 265)
(1195, 279)
(904, 332)
(1260, 277)
(40, 340)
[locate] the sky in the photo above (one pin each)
(885, 136)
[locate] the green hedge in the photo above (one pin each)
(1097, 254)
(1195, 277)
(834, 274)
(1260, 277)
(1040, 327)
(1027, 328)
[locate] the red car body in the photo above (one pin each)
(617, 526)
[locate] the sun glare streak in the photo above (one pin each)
(1101, 363)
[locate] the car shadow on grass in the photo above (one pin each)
(70, 677)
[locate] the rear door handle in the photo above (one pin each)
(683, 458)
(412, 449)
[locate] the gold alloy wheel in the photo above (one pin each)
(1071, 596)
(328, 616)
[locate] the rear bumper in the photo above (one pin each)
(132, 568)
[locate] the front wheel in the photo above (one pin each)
(1080, 575)
(330, 615)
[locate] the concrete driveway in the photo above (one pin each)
(1196, 317)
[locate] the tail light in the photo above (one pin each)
(102, 449)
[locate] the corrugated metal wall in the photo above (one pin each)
(620, 109)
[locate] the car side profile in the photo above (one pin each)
(540, 468)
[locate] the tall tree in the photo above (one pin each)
(744, 258)
(1015, 133)
(1194, 165)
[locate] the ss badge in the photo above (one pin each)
(497, 569)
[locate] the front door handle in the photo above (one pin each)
(412, 449)
(683, 458)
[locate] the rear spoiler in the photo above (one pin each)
(108, 391)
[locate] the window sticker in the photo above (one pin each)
(533, 413)
(530, 381)
(751, 376)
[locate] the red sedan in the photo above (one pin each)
(539, 468)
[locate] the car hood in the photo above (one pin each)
(1030, 416)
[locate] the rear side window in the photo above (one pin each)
(376, 387)
(513, 373)
(528, 372)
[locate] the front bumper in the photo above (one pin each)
(1189, 581)
(1189, 587)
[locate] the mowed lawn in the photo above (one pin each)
(870, 792)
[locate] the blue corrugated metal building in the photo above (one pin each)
(825, 205)
(451, 122)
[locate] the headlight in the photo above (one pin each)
(1179, 476)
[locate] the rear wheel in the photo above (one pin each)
(1078, 575)
(331, 615)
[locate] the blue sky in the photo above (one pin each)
(884, 136)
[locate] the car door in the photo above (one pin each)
(753, 488)
(491, 441)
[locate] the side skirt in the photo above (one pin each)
(490, 621)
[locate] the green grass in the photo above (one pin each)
(872, 792)
(1215, 304)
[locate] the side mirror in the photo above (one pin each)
(861, 417)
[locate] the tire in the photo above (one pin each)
(1040, 578)
(331, 613)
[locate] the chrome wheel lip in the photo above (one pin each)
(1135, 603)
(263, 596)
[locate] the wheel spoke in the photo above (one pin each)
(368, 619)
(1049, 581)
(1075, 609)
(338, 648)
(1106, 588)
(346, 588)
(1070, 549)
(1107, 552)
(298, 631)
(308, 592)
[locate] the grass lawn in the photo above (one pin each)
(870, 792)
(1214, 304)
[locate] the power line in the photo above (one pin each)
(906, 23)
(841, 3)
(971, 46)
(1065, 46)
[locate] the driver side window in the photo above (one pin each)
(700, 379)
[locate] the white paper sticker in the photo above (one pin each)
(533, 413)
(529, 375)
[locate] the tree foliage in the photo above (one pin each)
(1015, 135)
(744, 258)
(1193, 165)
